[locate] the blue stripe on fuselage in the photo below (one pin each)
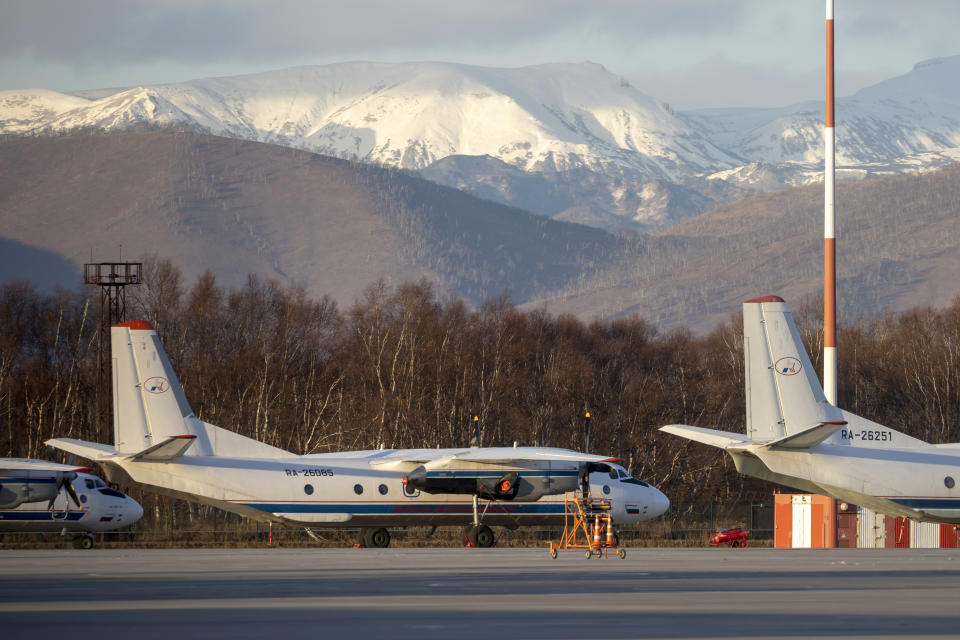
(928, 503)
(41, 516)
(406, 508)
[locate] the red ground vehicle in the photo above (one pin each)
(731, 537)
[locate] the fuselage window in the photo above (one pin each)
(83, 498)
(383, 489)
(606, 488)
(948, 482)
(308, 489)
(358, 489)
(409, 490)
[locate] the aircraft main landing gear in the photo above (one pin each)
(478, 535)
(376, 538)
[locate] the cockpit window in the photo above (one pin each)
(613, 474)
(111, 492)
(100, 483)
(89, 483)
(623, 474)
(634, 481)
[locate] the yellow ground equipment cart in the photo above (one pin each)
(587, 525)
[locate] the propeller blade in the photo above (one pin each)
(63, 480)
(73, 494)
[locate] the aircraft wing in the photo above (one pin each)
(412, 456)
(712, 437)
(525, 454)
(23, 464)
(484, 455)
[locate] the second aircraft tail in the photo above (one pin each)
(784, 395)
(786, 407)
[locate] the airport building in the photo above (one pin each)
(815, 521)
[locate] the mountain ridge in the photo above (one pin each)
(617, 147)
(238, 208)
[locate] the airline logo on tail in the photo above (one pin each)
(156, 385)
(788, 366)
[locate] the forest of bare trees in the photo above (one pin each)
(404, 367)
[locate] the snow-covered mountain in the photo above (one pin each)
(24, 111)
(906, 123)
(605, 153)
(547, 117)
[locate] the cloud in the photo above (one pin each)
(158, 30)
(715, 47)
(723, 82)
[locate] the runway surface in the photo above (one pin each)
(478, 593)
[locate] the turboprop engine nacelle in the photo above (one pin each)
(34, 486)
(506, 487)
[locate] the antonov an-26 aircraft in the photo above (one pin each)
(160, 445)
(796, 438)
(48, 497)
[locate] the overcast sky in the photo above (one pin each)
(690, 53)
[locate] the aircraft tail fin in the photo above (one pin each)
(784, 395)
(149, 405)
(152, 419)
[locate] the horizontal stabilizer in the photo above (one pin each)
(172, 447)
(808, 437)
(712, 437)
(82, 448)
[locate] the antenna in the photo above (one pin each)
(829, 232)
(586, 435)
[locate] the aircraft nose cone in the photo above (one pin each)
(659, 503)
(134, 511)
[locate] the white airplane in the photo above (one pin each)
(160, 445)
(796, 438)
(35, 495)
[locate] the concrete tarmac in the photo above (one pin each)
(478, 593)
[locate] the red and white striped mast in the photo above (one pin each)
(829, 233)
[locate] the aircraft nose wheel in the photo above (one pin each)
(84, 542)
